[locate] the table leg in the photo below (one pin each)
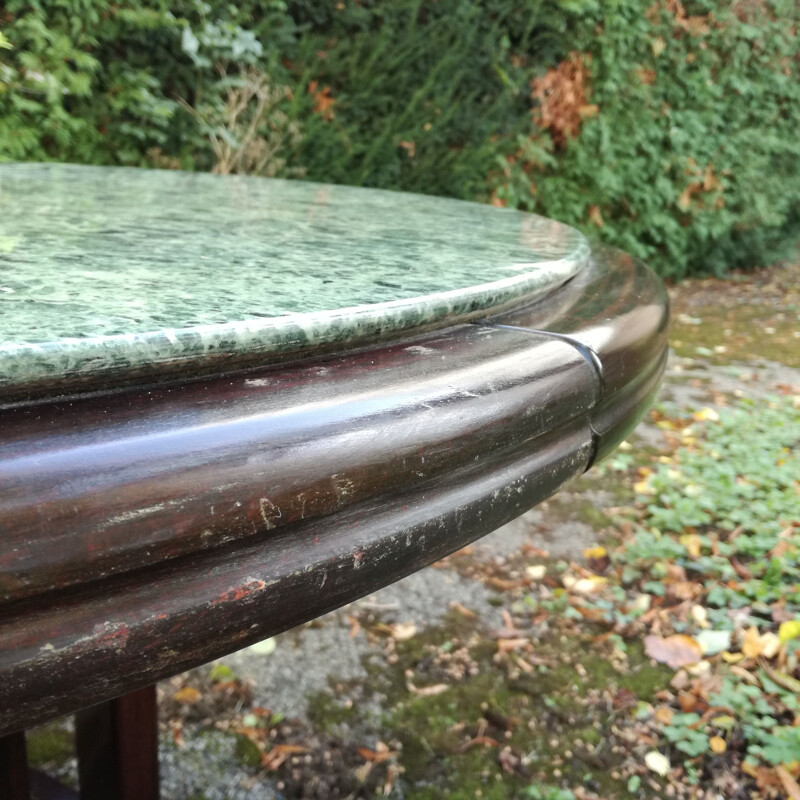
(117, 744)
(14, 767)
(43, 787)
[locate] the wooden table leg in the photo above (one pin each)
(117, 745)
(14, 767)
(43, 787)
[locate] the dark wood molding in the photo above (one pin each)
(149, 530)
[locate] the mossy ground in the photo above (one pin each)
(749, 318)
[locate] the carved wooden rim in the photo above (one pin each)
(151, 530)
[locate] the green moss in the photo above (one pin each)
(324, 712)
(49, 745)
(548, 712)
(247, 753)
(741, 333)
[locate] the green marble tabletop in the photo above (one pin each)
(108, 271)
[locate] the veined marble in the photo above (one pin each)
(105, 271)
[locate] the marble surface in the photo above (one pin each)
(105, 271)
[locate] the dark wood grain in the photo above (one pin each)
(117, 747)
(14, 784)
(147, 531)
(617, 311)
(106, 485)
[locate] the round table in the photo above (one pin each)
(231, 404)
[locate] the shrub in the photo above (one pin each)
(667, 130)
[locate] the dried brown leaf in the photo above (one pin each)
(790, 785)
(188, 695)
(675, 651)
(427, 691)
(463, 610)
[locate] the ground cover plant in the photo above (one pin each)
(665, 128)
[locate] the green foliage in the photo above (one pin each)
(680, 140)
(548, 793)
(692, 162)
(420, 90)
(731, 483)
(729, 497)
(685, 738)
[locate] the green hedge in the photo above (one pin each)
(669, 130)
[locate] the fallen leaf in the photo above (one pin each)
(507, 645)
(733, 658)
(657, 45)
(771, 644)
(177, 734)
(584, 585)
(701, 669)
(504, 585)
(595, 552)
(790, 785)
(479, 741)
(657, 762)
(751, 646)
(700, 616)
(524, 665)
(789, 630)
(427, 691)
(409, 147)
(675, 651)
(323, 102)
(687, 701)
(263, 648)
(766, 778)
(641, 603)
(533, 551)
(744, 674)
(680, 680)
(463, 610)
(279, 753)
(536, 571)
(685, 590)
(757, 644)
(692, 544)
(713, 642)
(403, 631)
(381, 753)
(400, 632)
(595, 215)
(717, 744)
(664, 715)
(780, 613)
(705, 414)
(781, 678)
(188, 695)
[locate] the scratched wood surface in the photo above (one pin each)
(149, 530)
